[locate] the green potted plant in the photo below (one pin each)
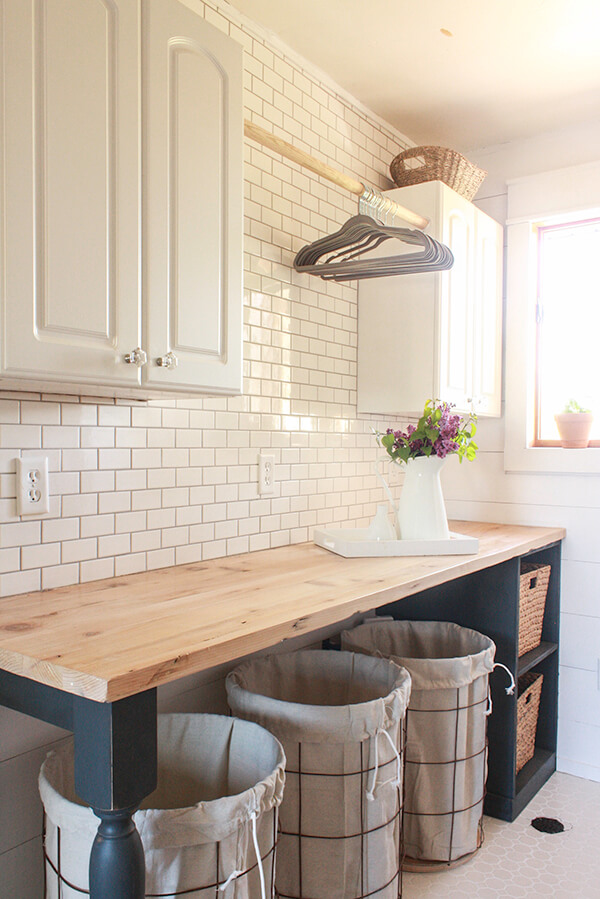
(574, 424)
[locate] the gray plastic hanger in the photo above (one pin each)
(357, 236)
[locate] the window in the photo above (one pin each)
(567, 324)
(552, 316)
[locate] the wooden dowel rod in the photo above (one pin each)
(255, 132)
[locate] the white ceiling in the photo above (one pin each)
(510, 70)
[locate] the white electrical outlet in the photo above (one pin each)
(32, 485)
(266, 473)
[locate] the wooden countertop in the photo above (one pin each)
(112, 638)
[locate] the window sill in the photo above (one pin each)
(552, 460)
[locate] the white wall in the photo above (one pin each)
(135, 486)
(484, 491)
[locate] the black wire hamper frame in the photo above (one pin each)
(454, 762)
(363, 834)
(189, 891)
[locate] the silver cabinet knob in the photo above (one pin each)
(169, 360)
(136, 357)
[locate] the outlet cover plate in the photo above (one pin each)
(33, 495)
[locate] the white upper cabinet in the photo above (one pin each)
(70, 291)
(436, 335)
(192, 201)
(122, 219)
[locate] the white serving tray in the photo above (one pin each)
(355, 542)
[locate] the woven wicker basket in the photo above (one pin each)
(528, 709)
(532, 603)
(437, 164)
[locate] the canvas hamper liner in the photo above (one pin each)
(340, 719)
(446, 734)
(220, 782)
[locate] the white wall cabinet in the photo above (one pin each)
(435, 334)
(122, 200)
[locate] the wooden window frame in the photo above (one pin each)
(540, 230)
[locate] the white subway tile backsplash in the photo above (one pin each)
(129, 564)
(127, 479)
(59, 529)
(188, 515)
(162, 477)
(40, 413)
(114, 458)
(78, 550)
(20, 533)
(146, 499)
(79, 460)
(20, 582)
(59, 436)
(60, 576)
(191, 552)
(97, 481)
(126, 522)
(81, 414)
(9, 411)
(161, 518)
(80, 504)
(9, 559)
(160, 558)
(40, 556)
(114, 416)
(114, 502)
(97, 525)
(114, 545)
(20, 436)
(142, 541)
(96, 569)
(97, 437)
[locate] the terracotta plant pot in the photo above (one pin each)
(574, 428)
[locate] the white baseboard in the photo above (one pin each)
(589, 772)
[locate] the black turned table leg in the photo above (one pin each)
(115, 768)
(117, 859)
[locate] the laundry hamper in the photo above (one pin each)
(446, 733)
(340, 719)
(220, 782)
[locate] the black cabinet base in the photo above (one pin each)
(529, 780)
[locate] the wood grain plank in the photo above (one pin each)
(112, 638)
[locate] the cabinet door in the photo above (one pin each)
(455, 310)
(487, 317)
(192, 202)
(70, 295)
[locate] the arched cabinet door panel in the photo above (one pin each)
(70, 291)
(192, 201)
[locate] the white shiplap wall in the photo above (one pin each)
(136, 486)
(572, 501)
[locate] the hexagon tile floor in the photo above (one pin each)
(518, 862)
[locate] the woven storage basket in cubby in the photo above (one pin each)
(437, 164)
(532, 602)
(528, 708)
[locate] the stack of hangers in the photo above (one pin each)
(361, 234)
